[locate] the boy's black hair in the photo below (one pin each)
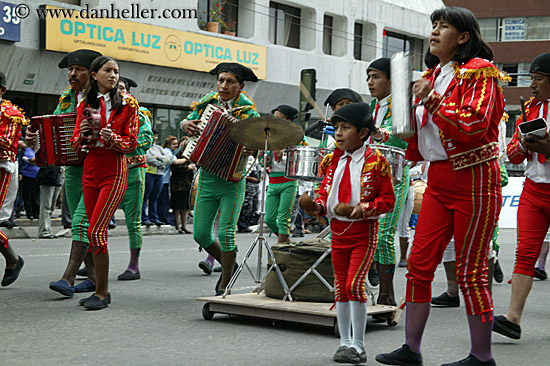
(358, 114)
(464, 21)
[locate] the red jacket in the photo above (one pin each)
(515, 153)
(11, 120)
(467, 114)
(125, 126)
(376, 183)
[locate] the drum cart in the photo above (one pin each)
(256, 304)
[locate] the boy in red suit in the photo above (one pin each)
(357, 180)
(11, 120)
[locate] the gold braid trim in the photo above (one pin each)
(327, 160)
(385, 168)
(488, 72)
(10, 107)
(130, 100)
(505, 117)
(147, 113)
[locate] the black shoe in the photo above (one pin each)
(298, 234)
(497, 272)
(160, 223)
(217, 269)
(401, 356)
(82, 301)
(8, 224)
(220, 292)
(350, 355)
(540, 274)
(217, 288)
(471, 360)
(129, 276)
(95, 303)
(82, 272)
(445, 300)
(373, 277)
(506, 328)
(10, 275)
(339, 353)
(147, 223)
(206, 267)
(112, 225)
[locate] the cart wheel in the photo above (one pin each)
(391, 322)
(206, 313)
(336, 331)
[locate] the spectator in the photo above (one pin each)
(181, 182)
(31, 190)
(250, 205)
(50, 180)
(170, 146)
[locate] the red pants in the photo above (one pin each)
(464, 203)
(104, 182)
(533, 222)
(353, 247)
(5, 179)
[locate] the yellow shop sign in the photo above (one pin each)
(147, 44)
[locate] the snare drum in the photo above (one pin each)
(303, 162)
(395, 157)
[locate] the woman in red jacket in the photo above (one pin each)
(105, 173)
(457, 132)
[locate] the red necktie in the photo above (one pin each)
(376, 111)
(344, 189)
(425, 115)
(542, 159)
(102, 112)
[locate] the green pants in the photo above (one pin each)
(215, 194)
(75, 201)
(385, 250)
(131, 205)
(278, 206)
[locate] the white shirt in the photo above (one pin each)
(537, 172)
(429, 141)
(355, 169)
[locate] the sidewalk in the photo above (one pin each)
(26, 228)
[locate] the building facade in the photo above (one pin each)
(167, 48)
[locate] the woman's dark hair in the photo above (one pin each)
(92, 89)
(464, 21)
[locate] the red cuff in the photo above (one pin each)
(433, 101)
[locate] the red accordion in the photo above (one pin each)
(53, 143)
(214, 150)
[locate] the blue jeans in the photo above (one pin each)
(153, 186)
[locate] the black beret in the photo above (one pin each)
(289, 112)
(358, 114)
(541, 64)
(242, 73)
(382, 65)
(79, 57)
(129, 83)
(340, 94)
(3, 80)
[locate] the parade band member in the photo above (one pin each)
(534, 204)
(215, 194)
(11, 120)
(457, 131)
(132, 201)
(281, 192)
(361, 179)
(105, 171)
(77, 62)
(379, 83)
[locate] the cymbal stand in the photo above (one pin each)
(261, 242)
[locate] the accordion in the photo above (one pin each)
(214, 150)
(53, 143)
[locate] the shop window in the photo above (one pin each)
(489, 29)
(394, 43)
(284, 25)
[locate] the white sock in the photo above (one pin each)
(343, 313)
(359, 324)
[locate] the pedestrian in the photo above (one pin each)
(181, 182)
(50, 180)
(31, 189)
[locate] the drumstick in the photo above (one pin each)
(311, 101)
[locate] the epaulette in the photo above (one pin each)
(14, 113)
(146, 112)
(505, 117)
(130, 100)
(327, 161)
(477, 67)
(384, 166)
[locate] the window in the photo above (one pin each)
(284, 25)
(167, 122)
(357, 40)
(223, 11)
(537, 28)
(512, 71)
(519, 74)
(394, 43)
(364, 35)
(489, 29)
(327, 34)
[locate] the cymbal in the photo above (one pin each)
(251, 132)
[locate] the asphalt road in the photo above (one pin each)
(156, 320)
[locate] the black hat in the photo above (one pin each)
(79, 57)
(3, 80)
(358, 114)
(541, 64)
(340, 94)
(242, 73)
(382, 65)
(289, 112)
(129, 83)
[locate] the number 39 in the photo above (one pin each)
(10, 16)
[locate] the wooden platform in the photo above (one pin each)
(261, 306)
